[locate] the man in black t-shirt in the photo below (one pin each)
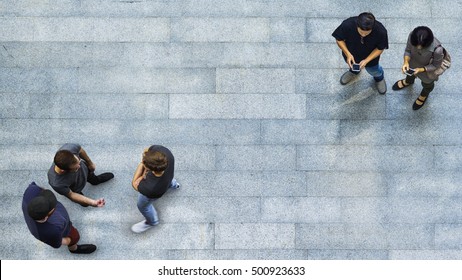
(153, 177)
(362, 40)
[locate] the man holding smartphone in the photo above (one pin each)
(362, 40)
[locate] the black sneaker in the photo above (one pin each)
(105, 177)
(84, 249)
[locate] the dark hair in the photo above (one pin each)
(155, 160)
(422, 36)
(64, 159)
(366, 21)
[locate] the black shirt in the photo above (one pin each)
(155, 187)
(377, 39)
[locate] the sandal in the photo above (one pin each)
(400, 85)
(416, 106)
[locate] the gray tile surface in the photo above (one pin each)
(276, 159)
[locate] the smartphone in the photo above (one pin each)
(410, 72)
(356, 67)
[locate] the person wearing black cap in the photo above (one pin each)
(72, 168)
(362, 40)
(49, 222)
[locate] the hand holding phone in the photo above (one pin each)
(410, 72)
(356, 67)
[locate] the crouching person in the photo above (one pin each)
(49, 222)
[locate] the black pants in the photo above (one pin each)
(427, 88)
(92, 178)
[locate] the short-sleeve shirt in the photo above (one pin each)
(377, 39)
(75, 181)
(57, 226)
(153, 186)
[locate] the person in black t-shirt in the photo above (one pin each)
(153, 177)
(362, 40)
(49, 222)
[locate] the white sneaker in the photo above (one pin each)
(142, 226)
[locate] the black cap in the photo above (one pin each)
(41, 205)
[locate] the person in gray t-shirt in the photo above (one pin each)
(423, 55)
(71, 170)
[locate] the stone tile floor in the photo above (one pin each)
(276, 159)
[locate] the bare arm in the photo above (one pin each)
(139, 175)
(374, 54)
(83, 155)
(405, 67)
(85, 201)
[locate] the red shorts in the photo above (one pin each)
(74, 236)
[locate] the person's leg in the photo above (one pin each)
(95, 180)
(409, 80)
(420, 101)
(376, 72)
(427, 88)
(147, 209)
(74, 235)
(92, 178)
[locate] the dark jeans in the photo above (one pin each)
(427, 88)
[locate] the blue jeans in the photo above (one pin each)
(147, 209)
(375, 71)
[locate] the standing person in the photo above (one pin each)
(362, 40)
(423, 55)
(153, 177)
(71, 170)
(49, 222)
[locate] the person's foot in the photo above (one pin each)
(142, 226)
(105, 177)
(347, 77)
(399, 85)
(84, 249)
(381, 86)
(174, 184)
(419, 102)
